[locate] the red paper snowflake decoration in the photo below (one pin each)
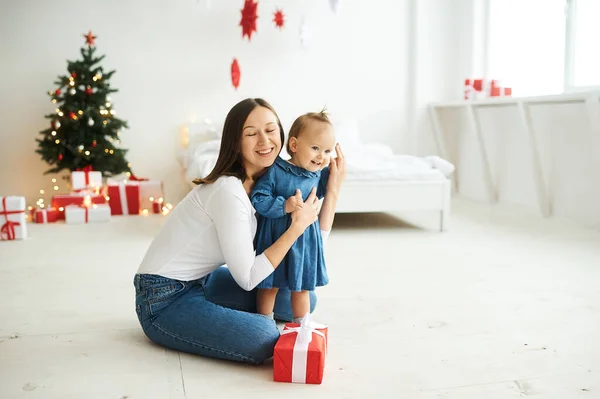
(248, 22)
(279, 18)
(235, 73)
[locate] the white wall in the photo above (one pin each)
(446, 48)
(173, 60)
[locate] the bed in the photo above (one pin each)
(377, 179)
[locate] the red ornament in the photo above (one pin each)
(72, 115)
(94, 144)
(57, 92)
(279, 19)
(74, 75)
(235, 73)
(60, 157)
(248, 22)
(88, 91)
(89, 39)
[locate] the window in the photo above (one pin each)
(526, 45)
(584, 30)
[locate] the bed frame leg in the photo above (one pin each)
(445, 211)
(442, 220)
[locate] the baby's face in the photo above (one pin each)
(313, 148)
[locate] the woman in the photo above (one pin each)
(185, 300)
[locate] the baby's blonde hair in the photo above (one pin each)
(301, 122)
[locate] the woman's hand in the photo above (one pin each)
(337, 172)
(308, 213)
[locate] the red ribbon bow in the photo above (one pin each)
(86, 171)
(135, 178)
(8, 228)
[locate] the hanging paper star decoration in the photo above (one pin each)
(248, 22)
(89, 39)
(235, 73)
(279, 18)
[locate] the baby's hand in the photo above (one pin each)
(294, 202)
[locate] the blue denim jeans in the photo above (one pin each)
(211, 316)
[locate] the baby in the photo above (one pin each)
(280, 191)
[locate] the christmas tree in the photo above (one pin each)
(83, 130)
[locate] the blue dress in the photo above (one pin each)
(303, 268)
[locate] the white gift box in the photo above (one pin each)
(150, 192)
(81, 180)
(75, 214)
(13, 224)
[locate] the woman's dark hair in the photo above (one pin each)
(229, 162)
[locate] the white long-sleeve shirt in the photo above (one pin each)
(213, 225)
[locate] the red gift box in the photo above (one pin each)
(300, 353)
(40, 215)
(124, 198)
(60, 201)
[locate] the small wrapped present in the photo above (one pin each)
(157, 206)
(78, 214)
(300, 353)
(12, 218)
(124, 197)
(44, 215)
(82, 179)
(61, 201)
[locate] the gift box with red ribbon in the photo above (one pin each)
(81, 179)
(44, 215)
(12, 218)
(124, 197)
(61, 201)
(300, 353)
(151, 191)
(78, 214)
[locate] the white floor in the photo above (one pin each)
(504, 305)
